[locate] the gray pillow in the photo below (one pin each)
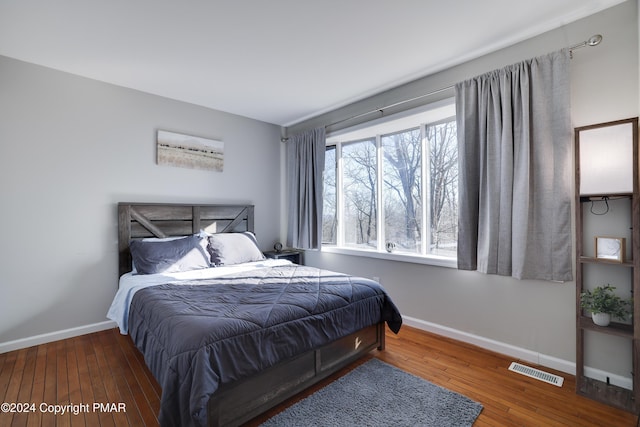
(169, 256)
(234, 248)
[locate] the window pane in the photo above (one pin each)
(443, 169)
(329, 205)
(360, 198)
(402, 176)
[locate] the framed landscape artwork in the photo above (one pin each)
(174, 149)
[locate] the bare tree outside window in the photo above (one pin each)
(329, 198)
(402, 194)
(402, 173)
(443, 166)
(360, 193)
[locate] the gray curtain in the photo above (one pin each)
(514, 140)
(305, 165)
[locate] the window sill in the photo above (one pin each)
(435, 260)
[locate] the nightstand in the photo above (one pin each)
(290, 254)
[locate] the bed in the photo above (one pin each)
(227, 333)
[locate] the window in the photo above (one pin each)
(402, 189)
(329, 198)
(392, 186)
(360, 193)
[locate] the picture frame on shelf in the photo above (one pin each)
(610, 248)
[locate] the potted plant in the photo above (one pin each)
(604, 304)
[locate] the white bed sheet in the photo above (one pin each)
(131, 283)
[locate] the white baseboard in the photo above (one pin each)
(518, 352)
(486, 343)
(55, 336)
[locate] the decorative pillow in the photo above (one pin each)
(234, 248)
(169, 256)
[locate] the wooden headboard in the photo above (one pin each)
(140, 220)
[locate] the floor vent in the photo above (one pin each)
(537, 374)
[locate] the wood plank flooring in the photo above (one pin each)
(105, 368)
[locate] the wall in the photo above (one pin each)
(531, 319)
(71, 148)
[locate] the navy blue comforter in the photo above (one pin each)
(200, 334)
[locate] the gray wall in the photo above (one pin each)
(532, 315)
(70, 149)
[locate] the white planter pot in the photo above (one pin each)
(601, 319)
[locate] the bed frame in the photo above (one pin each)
(236, 403)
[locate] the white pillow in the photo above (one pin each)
(234, 248)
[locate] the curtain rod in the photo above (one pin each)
(591, 41)
(381, 109)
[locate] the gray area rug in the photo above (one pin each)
(378, 394)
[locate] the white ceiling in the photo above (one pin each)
(280, 61)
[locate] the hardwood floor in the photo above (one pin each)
(105, 368)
